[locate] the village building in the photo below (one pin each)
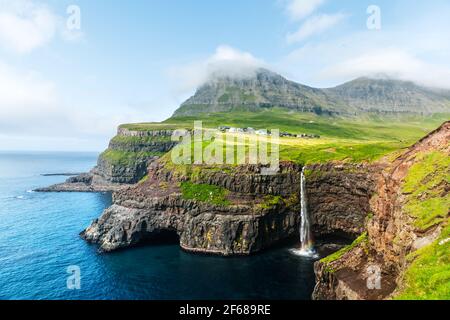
(261, 132)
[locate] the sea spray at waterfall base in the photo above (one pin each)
(306, 239)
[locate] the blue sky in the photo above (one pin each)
(137, 60)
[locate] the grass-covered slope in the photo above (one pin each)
(427, 187)
(428, 203)
(408, 234)
(204, 193)
(428, 275)
(346, 139)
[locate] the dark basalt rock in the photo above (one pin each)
(241, 228)
(110, 176)
(339, 197)
(82, 178)
(203, 228)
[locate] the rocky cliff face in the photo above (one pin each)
(258, 212)
(124, 163)
(262, 89)
(406, 243)
(339, 197)
(390, 96)
(129, 153)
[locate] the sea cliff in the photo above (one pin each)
(405, 248)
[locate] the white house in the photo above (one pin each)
(261, 132)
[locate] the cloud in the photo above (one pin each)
(415, 48)
(315, 25)
(23, 90)
(226, 61)
(393, 62)
(300, 9)
(30, 106)
(421, 58)
(26, 25)
(26, 99)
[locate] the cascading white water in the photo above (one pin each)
(306, 240)
(305, 232)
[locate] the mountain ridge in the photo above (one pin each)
(267, 89)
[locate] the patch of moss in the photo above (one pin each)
(192, 172)
(425, 187)
(204, 193)
(132, 140)
(248, 97)
(145, 178)
(270, 201)
(224, 98)
(125, 158)
(362, 239)
(292, 200)
(428, 275)
(309, 173)
(163, 185)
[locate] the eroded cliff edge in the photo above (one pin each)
(406, 246)
(123, 163)
(210, 209)
(234, 210)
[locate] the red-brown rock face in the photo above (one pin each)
(391, 233)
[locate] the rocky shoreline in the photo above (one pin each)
(123, 164)
(85, 182)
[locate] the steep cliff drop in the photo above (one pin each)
(123, 164)
(306, 238)
(405, 251)
(213, 210)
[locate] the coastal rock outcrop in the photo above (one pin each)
(256, 211)
(251, 218)
(124, 163)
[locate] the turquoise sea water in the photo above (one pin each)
(39, 241)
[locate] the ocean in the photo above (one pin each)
(39, 241)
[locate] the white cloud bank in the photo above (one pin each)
(414, 48)
(421, 59)
(26, 25)
(393, 62)
(226, 61)
(314, 26)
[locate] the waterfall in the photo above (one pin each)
(306, 239)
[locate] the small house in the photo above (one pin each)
(261, 132)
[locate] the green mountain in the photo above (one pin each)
(266, 89)
(385, 95)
